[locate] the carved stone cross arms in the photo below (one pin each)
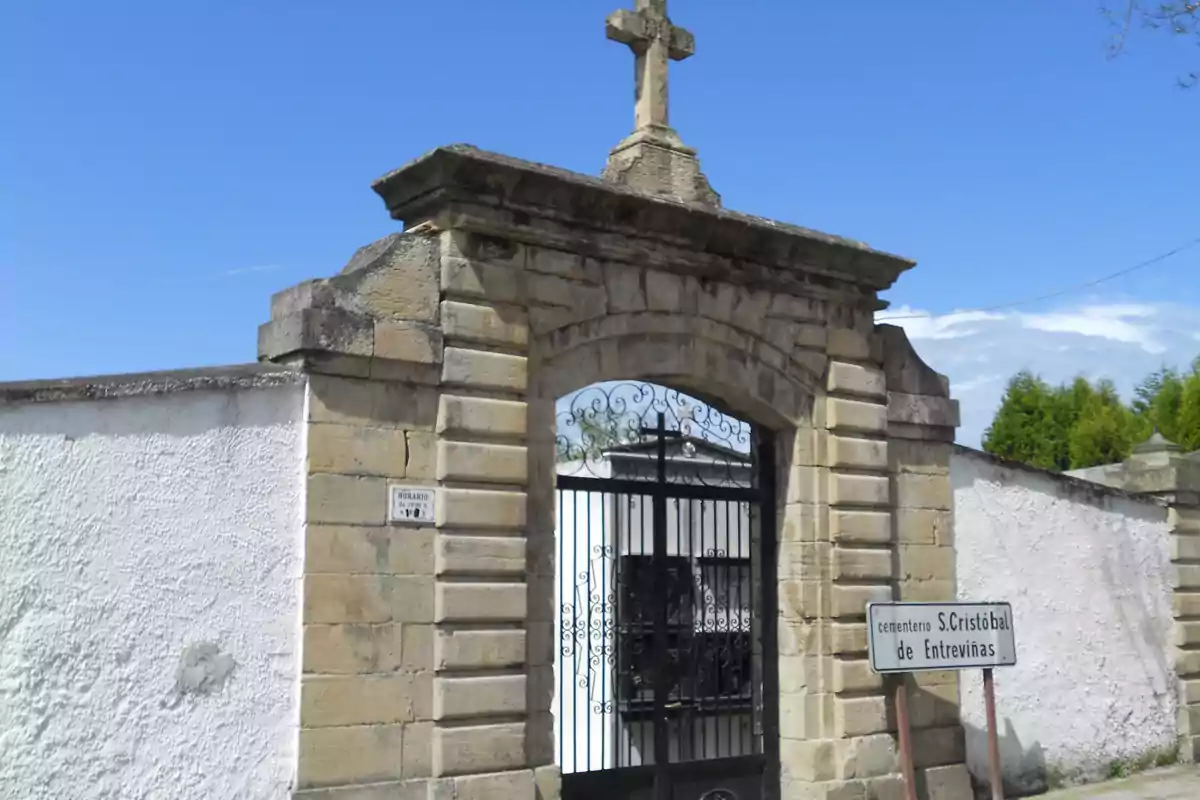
(655, 41)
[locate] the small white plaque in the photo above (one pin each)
(411, 505)
(914, 637)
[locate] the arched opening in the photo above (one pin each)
(664, 594)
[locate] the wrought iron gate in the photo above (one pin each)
(662, 690)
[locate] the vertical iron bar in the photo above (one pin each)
(575, 635)
(769, 599)
(738, 636)
(726, 636)
(605, 583)
(755, 605)
(564, 532)
(618, 527)
(682, 715)
(587, 565)
(662, 788)
(623, 729)
(642, 623)
(754, 626)
(701, 647)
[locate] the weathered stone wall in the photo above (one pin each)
(921, 424)
(437, 357)
(414, 638)
(366, 685)
(836, 555)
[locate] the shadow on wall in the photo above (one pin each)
(1145, 616)
(1022, 764)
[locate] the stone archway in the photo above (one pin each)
(771, 385)
(513, 284)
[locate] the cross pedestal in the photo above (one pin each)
(653, 158)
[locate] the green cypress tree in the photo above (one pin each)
(1105, 431)
(1026, 427)
(1187, 422)
(1157, 400)
(1079, 424)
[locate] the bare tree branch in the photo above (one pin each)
(1123, 22)
(1179, 18)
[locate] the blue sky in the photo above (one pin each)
(167, 166)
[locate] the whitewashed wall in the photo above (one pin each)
(1087, 572)
(150, 561)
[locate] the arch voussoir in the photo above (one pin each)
(742, 383)
(752, 375)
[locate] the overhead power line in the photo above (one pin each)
(1059, 293)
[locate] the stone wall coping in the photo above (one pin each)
(1179, 474)
(465, 173)
(107, 387)
(1094, 492)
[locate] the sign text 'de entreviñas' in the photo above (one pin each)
(910, 637)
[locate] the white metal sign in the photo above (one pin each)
(914, 637)
(411, 505)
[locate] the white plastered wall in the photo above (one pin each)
(150, 554)
(1088, 574)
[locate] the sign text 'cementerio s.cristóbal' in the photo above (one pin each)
(912, 637)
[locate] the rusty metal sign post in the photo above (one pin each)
(904, 733)
(989, 699)
(923, 637)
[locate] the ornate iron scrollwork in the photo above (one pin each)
(604, 431)
(587, 627)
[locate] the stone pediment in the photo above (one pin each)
(528, 201)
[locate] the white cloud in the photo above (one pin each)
(974, 384)
(979, 351)
(920, 325)
(1121, 323)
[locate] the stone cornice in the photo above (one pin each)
(464, 174)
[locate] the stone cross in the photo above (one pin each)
(654, 41)
(653, 158)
